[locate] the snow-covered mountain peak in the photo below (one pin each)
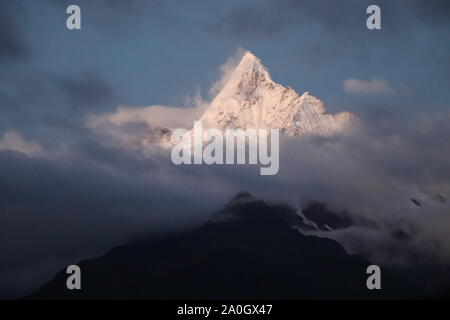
(247, 78)
(250, 99)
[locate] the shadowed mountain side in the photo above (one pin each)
(246, 251)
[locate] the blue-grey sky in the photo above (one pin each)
(158, 52)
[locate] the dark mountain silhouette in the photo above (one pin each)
(248, 250)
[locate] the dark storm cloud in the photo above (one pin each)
(12, 41)
(27, 89)
(76, 202)
(271, 18)
(246, 20)
(430, 12)
(323, 29)
(117, 17)
(345, 18)
(87, 91)
(27, 96)
(33, 99)
(325, 32)
(116, 7)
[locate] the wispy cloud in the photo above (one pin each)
(375, 86)
(12, 140)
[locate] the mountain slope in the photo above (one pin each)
(248, 250)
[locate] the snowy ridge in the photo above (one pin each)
(250, 99)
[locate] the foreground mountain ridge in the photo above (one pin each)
(247, 250)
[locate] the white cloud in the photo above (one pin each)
(155, 115)
(127, 123)
(12, 140)
(375, 86)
